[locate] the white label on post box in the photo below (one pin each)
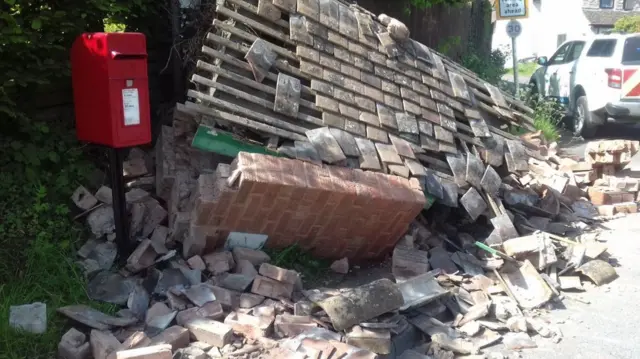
(131, 106)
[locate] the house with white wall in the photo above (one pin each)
(551, 22)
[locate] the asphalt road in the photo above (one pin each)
(607, 327)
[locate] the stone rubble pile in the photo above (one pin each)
(453, 295)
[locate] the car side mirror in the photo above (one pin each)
(542, 60)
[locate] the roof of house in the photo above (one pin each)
(607, 17)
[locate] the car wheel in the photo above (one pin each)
(583, 119)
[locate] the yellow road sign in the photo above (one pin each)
(512, 9)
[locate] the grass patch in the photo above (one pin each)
(526, 69)
(293, 257)
(41, 166)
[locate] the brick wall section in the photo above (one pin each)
(331, 211)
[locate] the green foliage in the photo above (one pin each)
(489, 69)
(628, 24)
(41, 165)
(36, 36)
(450, 45)
(425, 4)
(526, 69)
(295, 258)
(546, 117)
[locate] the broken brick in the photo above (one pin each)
(248, 325)
(280, 274)
(176, 336)
(271, 288)
(161, 351)
(211, 332)
(287, 325)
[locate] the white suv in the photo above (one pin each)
(596, 78)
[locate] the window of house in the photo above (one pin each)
(602, 48)
(628, 4)
(606, 4)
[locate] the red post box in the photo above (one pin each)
(111, 89)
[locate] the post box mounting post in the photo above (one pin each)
(116, 158)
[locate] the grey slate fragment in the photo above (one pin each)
(298, 30)
(330, 14)
(448, 123)
(518, 154)
(138, 301)
(439, 258)
(355, 127)
(434, 186)
(413, 139)
(429, 143)
(305, 151)
(94, 318)
(287, 5)
(287, 100)
(420, 290)
(491, 181)
(326, 145)
(447, 147)
(346, 141)
(479, 128)
(440, 71)
(398, 170)
(268, 10)
(496, 95)
(368, 154)
(348, 23)
(260, 57)
(460, 88)
(386, 116)
(110, 287)
(407, 123)
(473, 203)
(422, 52)
(402, 147)
(362, 303)
(415, 167)
(170, 277)
(309, 8)
(442, 134)
(493, 152)
(388, 44)
(450, 191)
(364, 24)
(475, 171)
(425, 128)
(445, 110)
(388, 154)
(459, 168)
(504, 228)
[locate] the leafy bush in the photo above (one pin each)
(489, 69)
(628, 24)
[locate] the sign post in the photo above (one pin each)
(514, 29)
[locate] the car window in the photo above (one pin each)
(602, 48)
(560, 56)
(631, 51)
(575, 51)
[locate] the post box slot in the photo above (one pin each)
(118, 56)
